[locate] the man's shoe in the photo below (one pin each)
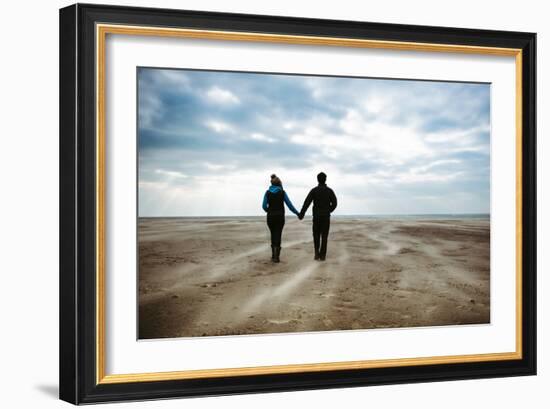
(322, 258)
(317, 256)
(277, 254)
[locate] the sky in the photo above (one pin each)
(208, 142)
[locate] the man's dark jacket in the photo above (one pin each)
(324, 201)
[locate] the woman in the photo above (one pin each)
(273, 205)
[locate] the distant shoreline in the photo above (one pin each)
(437, 216)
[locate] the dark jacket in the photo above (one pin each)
(324, 201)
(273, 201)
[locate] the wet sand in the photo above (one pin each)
(205, 277)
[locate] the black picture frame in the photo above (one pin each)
(78, 235)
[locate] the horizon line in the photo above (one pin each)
(344, 215)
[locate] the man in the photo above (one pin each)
(324, 203)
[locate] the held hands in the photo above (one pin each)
(300, 216)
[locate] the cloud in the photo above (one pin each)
(170, 173)
(219, 126)
(221, 96)
(208, 142)
(261, 137)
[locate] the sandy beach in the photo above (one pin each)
(214, 276)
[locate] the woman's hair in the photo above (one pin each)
(276, 181)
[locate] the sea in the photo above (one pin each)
(427, 216)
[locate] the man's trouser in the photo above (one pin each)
(321, 226)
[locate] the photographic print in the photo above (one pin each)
(277, 203)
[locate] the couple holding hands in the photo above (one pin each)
(324, 203)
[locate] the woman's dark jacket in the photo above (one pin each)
(273, 201)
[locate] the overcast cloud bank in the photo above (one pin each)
(208, 142)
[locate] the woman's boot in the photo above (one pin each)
(277, 254)
(273, 252)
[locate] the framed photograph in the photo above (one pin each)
(257, 203)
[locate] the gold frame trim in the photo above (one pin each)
(101, 33)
